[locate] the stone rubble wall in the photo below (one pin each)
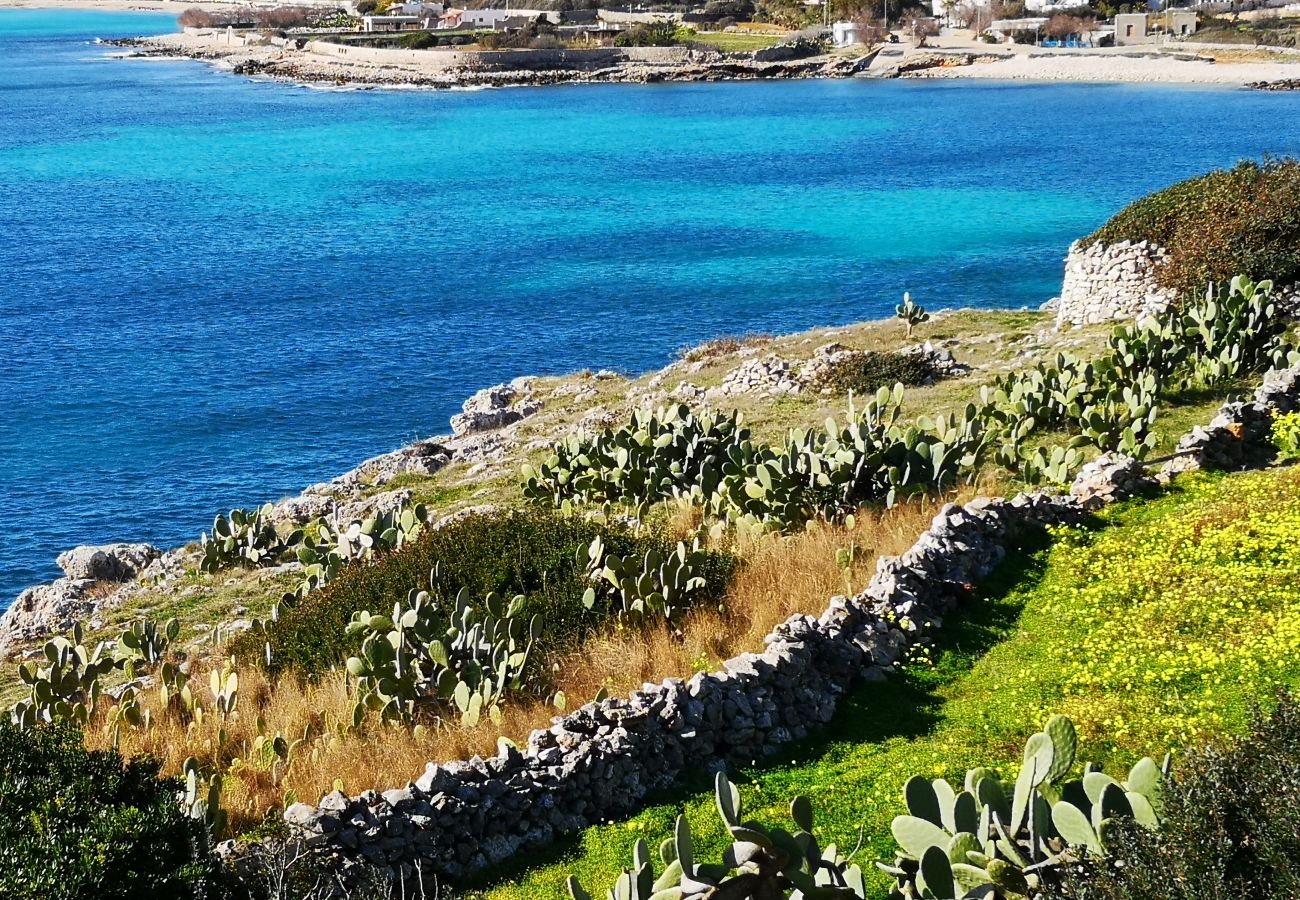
(512, 60)
(1238, 437)
(1108, 282)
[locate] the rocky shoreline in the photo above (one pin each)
(299, 63)
(485, 440)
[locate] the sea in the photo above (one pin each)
(215, 290)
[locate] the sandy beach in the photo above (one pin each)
(1098, 67)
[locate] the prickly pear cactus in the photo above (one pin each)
(1006, 840)
(760, 863)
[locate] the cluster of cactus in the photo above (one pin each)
(324, 549)
(249, 537)
(245, 537)
(656, 456)
(276, 753)
(381, 532)
(469, 659)
(1087, 400)
(67, 688)
(638, 590)
(1005, 841)
(1056, 465)
(760, 863)
(201, 798)
(1233, 330)
(145, 643)
(872, 455)
(911, 313)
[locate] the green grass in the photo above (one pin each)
(1157, 630)
(737, 42)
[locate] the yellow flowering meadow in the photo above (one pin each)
(1165, 630)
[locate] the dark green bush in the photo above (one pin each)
(418, 40)
(528, 552)
(1239, 221)
(1231, 826)
(85, 825)
(867, 372)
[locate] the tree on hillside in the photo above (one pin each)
(870, 31)
(920, 26)
(1064, 25)
(1007, 9)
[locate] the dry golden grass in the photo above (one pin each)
(780, 577)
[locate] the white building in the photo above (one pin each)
(845, 34)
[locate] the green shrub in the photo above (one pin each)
(1231, 826)
(419, 40)
(529, 552)
(867, 372)
(655, 34)
(1285, 435)
(85, 824)
(1239, 221)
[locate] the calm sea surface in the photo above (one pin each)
(215, 291)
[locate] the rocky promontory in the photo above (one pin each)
(320, 61)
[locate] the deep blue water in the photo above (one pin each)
(216, 291)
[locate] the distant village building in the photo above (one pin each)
(845, 34)
(391, 23)
(1132, 29)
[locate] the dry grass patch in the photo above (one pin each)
(781, 576)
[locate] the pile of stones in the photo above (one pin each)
(767, 376)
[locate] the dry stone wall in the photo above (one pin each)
(1108, 282)
(1238, 437)
(601, 760)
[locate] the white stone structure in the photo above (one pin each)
(1108, 282)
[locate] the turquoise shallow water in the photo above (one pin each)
(216, 291)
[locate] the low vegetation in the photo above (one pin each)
(1229, 830)
(79, 823)
(1241, 220)
(868, 372)
(271, 17)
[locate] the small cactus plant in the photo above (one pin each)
(1006, 840)
(911, 313)
(760, 863)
